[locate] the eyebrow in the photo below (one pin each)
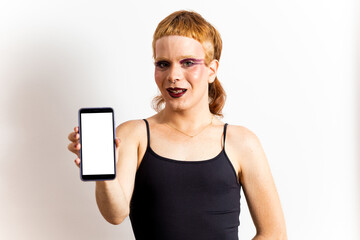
(179, 58)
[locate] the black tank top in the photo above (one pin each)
(185, 200)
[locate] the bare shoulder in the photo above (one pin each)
(246, 147)
(243, 137)
(258, 183)
(130, 128)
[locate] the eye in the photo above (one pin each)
(162, 64)
(188, 63)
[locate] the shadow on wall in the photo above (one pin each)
(45, 198)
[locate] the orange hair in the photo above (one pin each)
(193, 25)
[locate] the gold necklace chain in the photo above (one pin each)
(195, 134)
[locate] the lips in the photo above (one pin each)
(176, 92)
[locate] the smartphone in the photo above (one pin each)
(97, 141)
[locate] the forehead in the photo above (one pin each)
(175, 46)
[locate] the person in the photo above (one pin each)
(180, 171)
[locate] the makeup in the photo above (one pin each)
(187, 62)
(176, 92)
(192, 60)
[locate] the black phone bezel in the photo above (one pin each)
(97, 177)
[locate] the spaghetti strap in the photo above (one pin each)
(225, 126)
(194, 186)
(148, 132)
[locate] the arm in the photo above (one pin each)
(111, 201)
(113, 197)
(259, 189)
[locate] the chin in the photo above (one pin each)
(176, 106)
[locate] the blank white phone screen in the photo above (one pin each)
(97, 143)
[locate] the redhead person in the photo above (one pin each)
(180, 171)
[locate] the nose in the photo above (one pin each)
(175, 73)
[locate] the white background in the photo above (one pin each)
(97, 143)
(290, 70)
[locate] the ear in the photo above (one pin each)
(213, 67)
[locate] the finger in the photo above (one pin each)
(76, 129)
(74, 147)
(71, 147)
(73, 136)
(77, 162)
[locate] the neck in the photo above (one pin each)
(186, 120)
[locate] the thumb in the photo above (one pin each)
(117, 141)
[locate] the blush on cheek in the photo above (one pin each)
(160, 84)
(196, 73)
(158, 78)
